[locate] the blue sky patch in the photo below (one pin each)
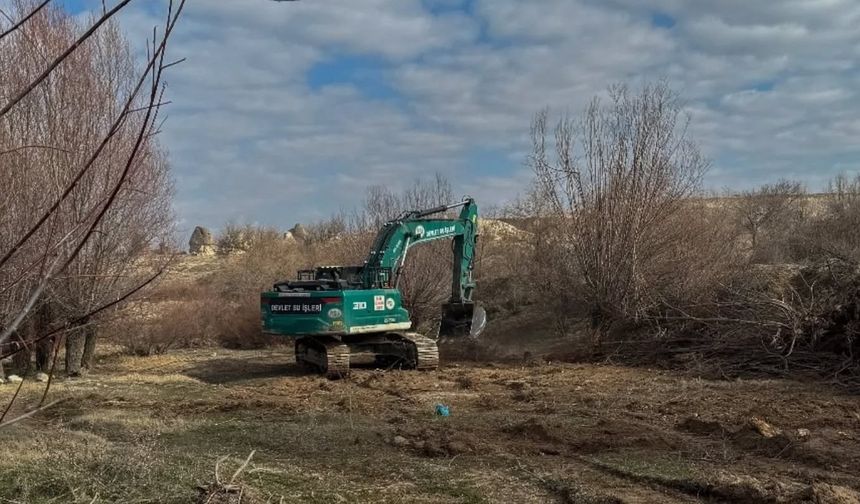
(365, 73)
(484, 161)
(438, 7)
(76, 6)
(764, 86)
(662, 20)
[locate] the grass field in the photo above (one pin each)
(155, 429)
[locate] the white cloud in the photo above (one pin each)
(772, 88)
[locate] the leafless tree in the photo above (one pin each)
(768, 216)
(87, 183)
(837, 233)
(614, 187)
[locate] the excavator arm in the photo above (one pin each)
(384, 264)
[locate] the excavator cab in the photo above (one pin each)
(462, 320)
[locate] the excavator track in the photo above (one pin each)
(328, 355)
(331, 356)
(426, 351)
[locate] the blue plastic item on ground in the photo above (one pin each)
(442, 410)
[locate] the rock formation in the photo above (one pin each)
(299, 232)
(201, 242)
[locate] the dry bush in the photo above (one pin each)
(232, 240)
(770, 218)
(425, 283)
(266, 261)
(338, 240)
(185, 324)
(221, 307)
(234, 290)
(617, 230)
(334, 228)
(773, 319)
(237, 239)
(780, 225)
(835, 233)
(776, 317)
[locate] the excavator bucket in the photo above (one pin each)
(462, 320)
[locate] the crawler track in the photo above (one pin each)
(332, 356)
(327, 355)
(426, 352)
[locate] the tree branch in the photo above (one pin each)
(24, 19)
(72, 48)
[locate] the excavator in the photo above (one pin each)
(343, 315)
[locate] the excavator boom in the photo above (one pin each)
(392, 244)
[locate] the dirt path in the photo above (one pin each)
(152, 430)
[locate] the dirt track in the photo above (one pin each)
(151, 430)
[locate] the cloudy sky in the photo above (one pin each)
(285, 112)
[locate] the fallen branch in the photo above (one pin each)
(243, 466)
(218, 488)
(31, 413)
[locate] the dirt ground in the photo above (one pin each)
(158, 430)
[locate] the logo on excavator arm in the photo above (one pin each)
(441, 231)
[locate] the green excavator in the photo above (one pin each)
(342, 315)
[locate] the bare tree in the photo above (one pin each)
(768, 215)
(613, 188)
(88, 185)
(837, 233)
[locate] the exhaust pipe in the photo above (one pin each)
(462, 320)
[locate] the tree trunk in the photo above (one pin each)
(89, 357)
(21, 360)
(74, 352)
(44, 350)
(42, 324)
(2, 374)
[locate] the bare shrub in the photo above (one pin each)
(182, 325)
(334, 228)
(770, 217)
(231, 240)
(775, 319)
(613, 200)
(836, 233)
(510, 257)
(237, 239)
(268, 258)
(218, 308)
(234, 290)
